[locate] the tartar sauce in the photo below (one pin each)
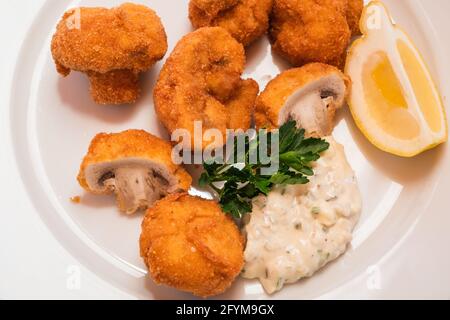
(296, 230)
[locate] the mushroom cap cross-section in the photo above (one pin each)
(310, 95)
(134, 165)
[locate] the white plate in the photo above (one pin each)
(52, 121)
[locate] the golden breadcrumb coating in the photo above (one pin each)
(245, 20)
(274, 97)
(114, 87)
(354, 12)
(304, 31)
(213, 7)
(113, 46)
(201, 81)
(188, 243)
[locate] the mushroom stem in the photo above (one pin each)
(136, 188)
(314, 114)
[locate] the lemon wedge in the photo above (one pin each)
(394, 100)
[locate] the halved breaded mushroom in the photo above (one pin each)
(310, 95)
(134, 165)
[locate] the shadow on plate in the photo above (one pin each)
(400, 170)
(107, 201)
(281, 63)
(163, 292)
(74, 92)
(255, 53)
(98, 201)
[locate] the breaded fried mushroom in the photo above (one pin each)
(245, 20)
(188, 243)
(314, 30)
(310, 95)
(134, 165)
(201, 81)
(112, 46)
(213, 7)
(354, 12)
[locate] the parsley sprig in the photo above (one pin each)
(244, 182)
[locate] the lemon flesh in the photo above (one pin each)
(385, 100)
(423, 89)
(394, 100)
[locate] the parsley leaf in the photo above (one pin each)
(296, 154)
